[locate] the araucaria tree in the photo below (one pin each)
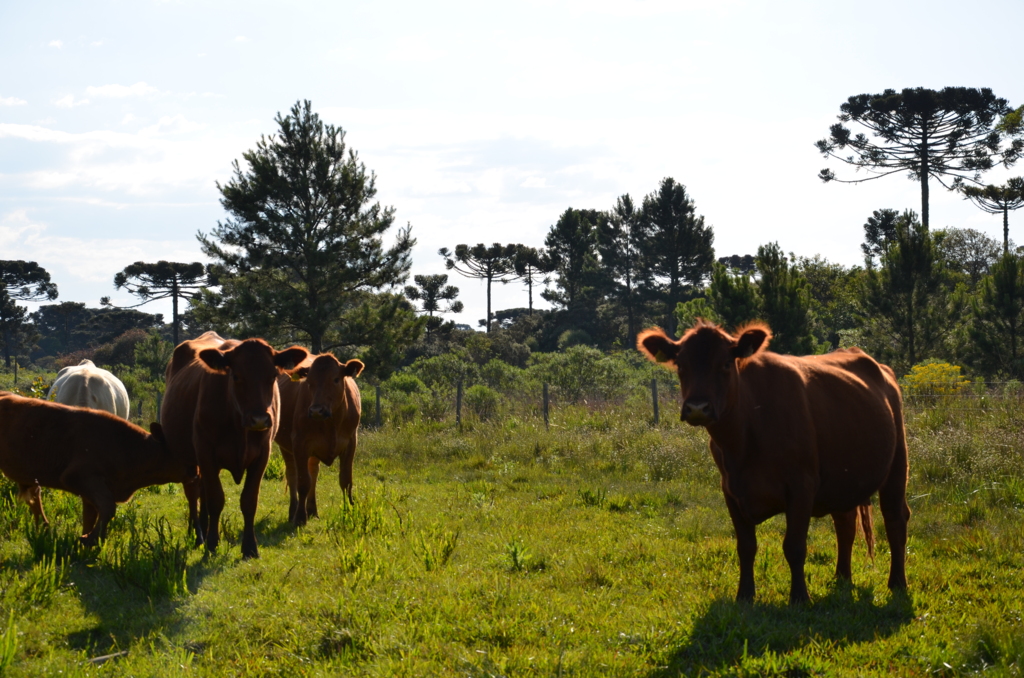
(494, 263)
(20, 281)
(302, 255)
(531, 265)
(681, 244)
(163, 280)
(999, 200)
(947, 135)
(431, 291)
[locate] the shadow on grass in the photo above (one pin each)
(730, 631)
(126, 613)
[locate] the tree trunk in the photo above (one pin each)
(529, 286)
(174, 309)
(630, 323)
(1006, 228)
(489, 304)
(924, 179)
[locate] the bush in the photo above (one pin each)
(403, 384)
(482, 401)
(571, 338)
(934, 377)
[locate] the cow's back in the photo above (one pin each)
(837, 416)
(189, 387)
(294, 402)
(39, 440)
(86, 385)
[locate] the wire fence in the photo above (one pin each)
(655, 400)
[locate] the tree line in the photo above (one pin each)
(301, 257)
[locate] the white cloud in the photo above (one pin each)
(241, 38)
(534, 182)
(56, 43)
(80, 277)
(12, 101)
(70, 102)
(96, 43)
(127, 119)
(139, 89)
(172, 153)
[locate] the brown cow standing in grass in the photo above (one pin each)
(221, 407)
(94, 454)
(319, 423)
(805, 436)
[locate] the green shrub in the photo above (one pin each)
(482, 401)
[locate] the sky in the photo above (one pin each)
(482, 121)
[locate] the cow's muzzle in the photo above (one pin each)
(697, 413)
(319, 412)
(259, 422)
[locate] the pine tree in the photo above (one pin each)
(302, 254)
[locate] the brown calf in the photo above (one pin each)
(319, 423)
(221, 408)
(805, 436)
(94, 454)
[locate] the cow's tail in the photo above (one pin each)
(867, 523)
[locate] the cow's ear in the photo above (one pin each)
(289, 358)
(656, 345)
(214, 361)
(353, 368)
(752, 340)
(299, 374)
(157, 430)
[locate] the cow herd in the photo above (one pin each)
(802, 436)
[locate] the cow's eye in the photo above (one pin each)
(727, 367)
(337, 380)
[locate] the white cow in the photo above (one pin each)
(85, 385)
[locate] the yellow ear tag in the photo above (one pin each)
(661, 357)
(294, 376)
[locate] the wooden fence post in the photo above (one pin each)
(458, 405)
(379, 419)
(545, 404)
(654, 399)
(159, 400)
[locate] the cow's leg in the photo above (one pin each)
(193, 490)
(94, 491)
(746, 548)
(33, 496)
(895, 512)
(212, 506)
(291, 479)
(794, 546)
(89, 516)
(302, 483)
(249, 501)
(313, 465)
(345, 467)
(846, 533)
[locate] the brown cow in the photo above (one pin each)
(319, 423)
(221, 408)
(805, 436)
(94, 454)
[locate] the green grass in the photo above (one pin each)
(599, 547)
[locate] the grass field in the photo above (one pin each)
(599, 547)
